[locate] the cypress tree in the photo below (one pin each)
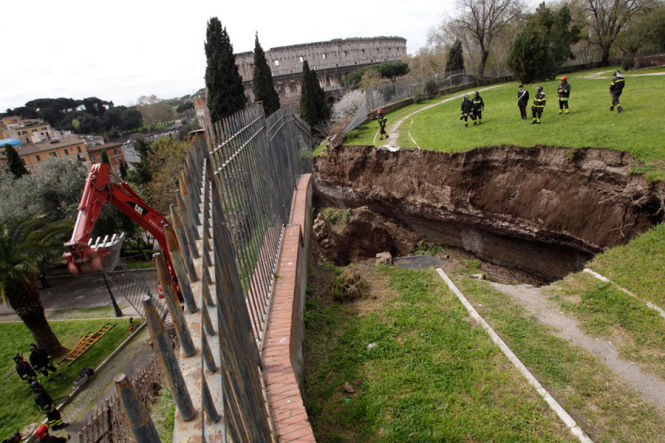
(225, 92)
(455, 61)
(14, 162)
(313, 107)
(105, 157)
(262, 84)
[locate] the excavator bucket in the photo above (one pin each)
(98, 255)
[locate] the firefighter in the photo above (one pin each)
(43, 435)
(564, 93)
(478, 108)
(24, 370)
(382, 124)
(467, 111)
(14, 438)
(522, 101)
(538, 105)
(616, 88)
(42, 361)
(45, 404)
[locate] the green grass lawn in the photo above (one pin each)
(17, 408)
(640, 130)
(605, 407)
(432, 375)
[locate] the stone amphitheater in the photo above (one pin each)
(332, 60)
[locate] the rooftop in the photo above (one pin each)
(49, 145)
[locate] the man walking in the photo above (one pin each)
(478, 108)
(522, 100)
(467, 109)
(564, 93)
(616, 88)
(45, 404)
(538, 105)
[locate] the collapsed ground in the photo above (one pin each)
(509, 215)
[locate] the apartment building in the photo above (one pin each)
(72, 148)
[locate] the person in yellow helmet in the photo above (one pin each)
(538, 105)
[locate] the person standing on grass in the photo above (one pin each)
(616, 88)
(467, 110)
(522, 100)
(478, 108)
(538, 105)
(42, 361)
(382, 124)
(564, 93)
(45, 404)
(24, 370)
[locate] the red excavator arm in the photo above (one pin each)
(86, 255)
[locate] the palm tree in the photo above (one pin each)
(25, 245)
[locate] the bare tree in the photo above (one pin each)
(607, 19)
(483, 20)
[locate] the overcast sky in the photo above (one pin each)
(123, 49)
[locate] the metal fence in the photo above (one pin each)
(224, 235)
(386, 94)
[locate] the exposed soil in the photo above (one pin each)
(651, 389)
(542, 210)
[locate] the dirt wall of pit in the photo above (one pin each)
(505, 204)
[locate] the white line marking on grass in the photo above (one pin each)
(658, 309)
(412, 139)
(556, 407)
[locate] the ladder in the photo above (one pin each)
(86, 343)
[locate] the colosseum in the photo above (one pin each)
(332, 60)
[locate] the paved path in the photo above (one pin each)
(131, 360)
(68, 292)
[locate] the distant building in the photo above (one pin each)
(30, 131)
(332, 60)
(72, 148)
(114, 151)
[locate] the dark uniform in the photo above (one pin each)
(24, 370)
(41, 361)
(467, 110)
(478, 108)
(382, 124)
(538, 105)
(45, 404)
(564, 93)
(522, 100)
(616, 88)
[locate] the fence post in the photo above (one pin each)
(140, 423)
(164, 351)
(179, 267)
(177, 316)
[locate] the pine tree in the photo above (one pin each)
(313, 107)
(14, 162)
(455, 60)
(225, 91)
(262, 84)
(123, 170)
(105, 157)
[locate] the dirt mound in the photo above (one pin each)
(505, 204)
(366, 234)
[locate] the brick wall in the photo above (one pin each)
(282, 351)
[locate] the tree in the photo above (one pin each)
(164, 162)
(262, 84)
(370, 79)
(155, 113)
(14, 162)
(543, 45)
(225, 91)
(392, 70)
(141, 173)
(483, 20)
(313, 107)
(528, 53)
(608, 18)
(455, 61)
(123, 170)
(105, 157)
(25, 245)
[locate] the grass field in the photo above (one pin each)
(431, 376)
(640, 130)
(17, 408)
